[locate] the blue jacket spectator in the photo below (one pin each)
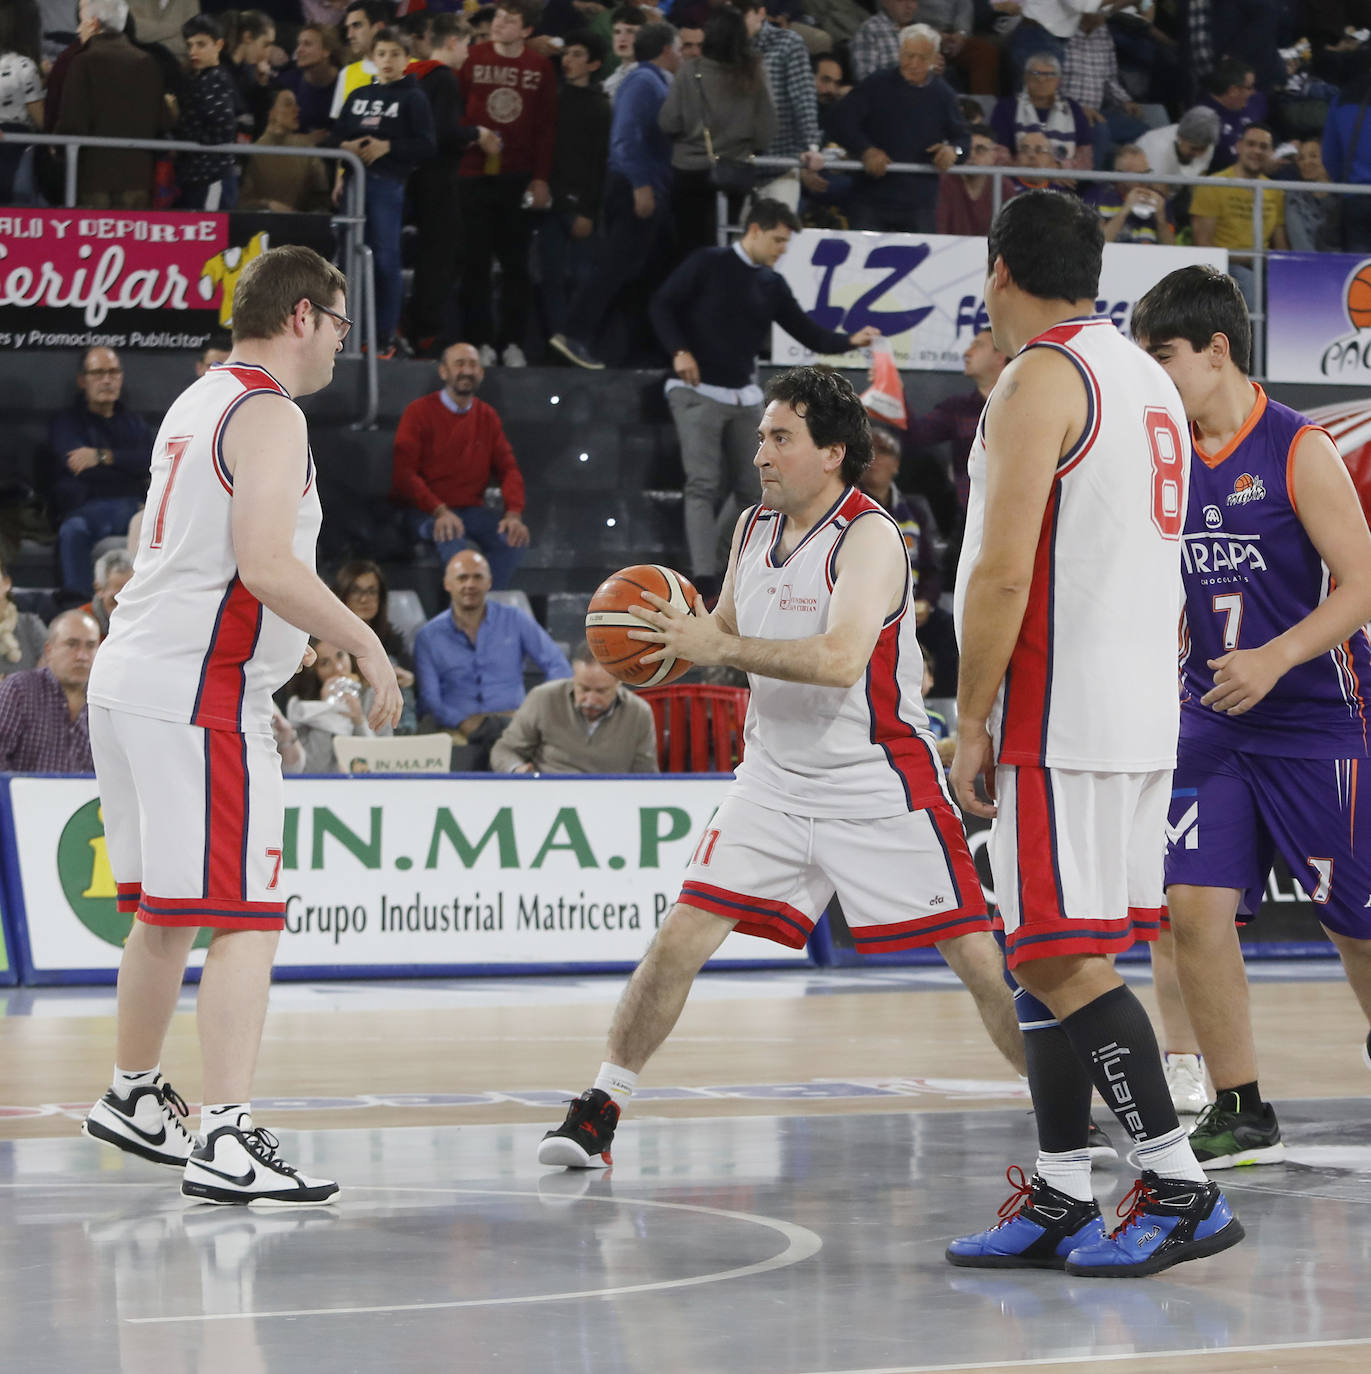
(1347, 157)
(638, 149)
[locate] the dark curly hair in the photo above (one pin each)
(832, 411)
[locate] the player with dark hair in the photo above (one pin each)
(840, 786)
(1274, 721)
(1066, 611)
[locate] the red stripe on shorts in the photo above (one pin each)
(761, 916)
(223, 914)
(219, 702)
(1035, 839)
(128, 896)
(1081, 937)
(226, 817)
(963, 866)
(924, 930)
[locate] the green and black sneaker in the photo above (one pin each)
(1225, 1137)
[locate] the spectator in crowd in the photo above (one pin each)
(482, 24)
(937, 722)
(510, 88)
(1033, 148)
(830, 85)
(469, 659)
(591, 724)
(21, 88)
(1314, 218)
(627, 20)
(965, 204)
(977, 58)
(785, 60)
(389, 125)
(162, 21)
(287, 742)
(112, 572)
(637, 208)
(1132, 212)
(1231, 92)
(217, 348)
(1041, 105)
(1047, 26)
(209, 116)
(361, 587)
(22, 634)
(97, 473)
(565, 245)
(285, 185)
(607, 18)
(875, 47)
(449, 447)
(114, 90)
(43, 725)
(1347, 156)
(363, 20)
(314, 78)
(249, 64)
(433, 188)
(325, 700)
(1090, 77)
(692, 41)
(1185, 148)
(725, 93)
(905, 114)
(1222, 216)
(417, 28)
(714, 316)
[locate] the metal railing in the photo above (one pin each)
(1257, 254)
(357, 259)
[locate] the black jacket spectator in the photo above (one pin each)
(397, 113)
(582, 152)
(125, 434)
(209, 115)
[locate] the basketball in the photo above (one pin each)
(1359, 298)
(608, 622)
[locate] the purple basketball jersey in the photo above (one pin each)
(1251, 572)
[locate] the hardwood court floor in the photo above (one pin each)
(782, 1192)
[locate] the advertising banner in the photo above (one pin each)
(924, 291)
(411, 874)
(130, 279)
(1318, 318)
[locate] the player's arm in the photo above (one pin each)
(871, 570)
(264, 446)
(1326, 502)
(1035, 414)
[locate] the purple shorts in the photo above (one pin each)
(1232, 813)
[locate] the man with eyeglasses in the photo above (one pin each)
(1040, 105)
(95, 469)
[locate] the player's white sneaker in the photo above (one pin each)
(147, 1123)
(1185, 1079)
(241, 1167)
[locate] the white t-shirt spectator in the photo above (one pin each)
(1160, 147)
(20, 84)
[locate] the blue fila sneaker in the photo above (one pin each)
(1165, 1221)
(1038, 1228)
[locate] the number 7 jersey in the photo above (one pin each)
(1091, 682)
(188, 642)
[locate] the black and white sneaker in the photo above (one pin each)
(582, 1141)
(147, 1123)
(240, 1167)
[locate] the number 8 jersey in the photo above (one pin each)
(1251, 572)
(1091, 683)
(188, 642)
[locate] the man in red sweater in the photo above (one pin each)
(449, 446)
(509, 88)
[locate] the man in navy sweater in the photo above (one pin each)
(714, 316)
(901, 114)
(636, 209)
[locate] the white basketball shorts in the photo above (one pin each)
(1078, 859)
(903, 880)
(193, 821)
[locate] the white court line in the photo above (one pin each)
(801, 1243)
(1205, 1351)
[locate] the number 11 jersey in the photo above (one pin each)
(188, 642)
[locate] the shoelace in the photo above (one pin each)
(1018, 1199)
(263, 1146)
(171, 1098)
(1217, 1114)
(1132, 1205)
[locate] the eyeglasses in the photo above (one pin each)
(364, 593)
(343, 320)
(1042, 74)
(104, 371)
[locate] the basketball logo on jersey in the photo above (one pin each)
(1247, 488)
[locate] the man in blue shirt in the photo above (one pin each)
(636, 207)
(469, 661)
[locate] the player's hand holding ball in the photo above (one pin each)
(647, 625)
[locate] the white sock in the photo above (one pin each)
(125, 1082)
(1170, 1156)
(236, 1114)
(1068, 1172)
(618, 1083)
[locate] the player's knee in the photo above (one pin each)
(690, 935)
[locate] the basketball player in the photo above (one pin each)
(216, 618)
(1066, 604)
(840, 784)
(1274, 717)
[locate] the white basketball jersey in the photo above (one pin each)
(1091, 684)
(188, 642)
(853, 751)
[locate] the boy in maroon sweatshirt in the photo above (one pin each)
(511, 89)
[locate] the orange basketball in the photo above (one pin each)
(608, 622)
(1359, 298)
(1243, 482)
